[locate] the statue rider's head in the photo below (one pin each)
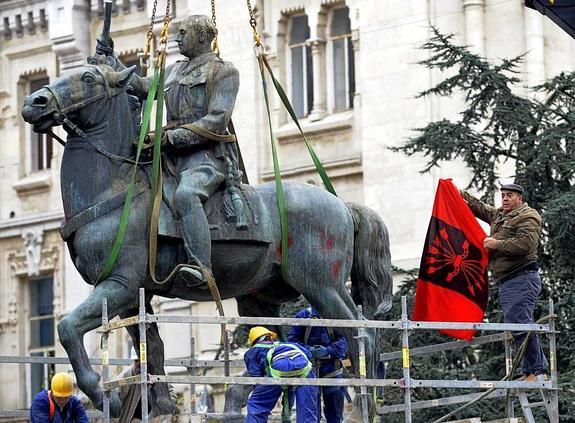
(195, 35)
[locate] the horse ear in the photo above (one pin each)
(121, 78)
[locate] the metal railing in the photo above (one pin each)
(406, 383)
(500, 387)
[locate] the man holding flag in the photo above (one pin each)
(512, 247)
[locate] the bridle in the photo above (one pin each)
(61, 118)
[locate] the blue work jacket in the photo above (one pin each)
(256, 358)
(73, 411)
(337, 346)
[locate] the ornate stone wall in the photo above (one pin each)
(40, 38)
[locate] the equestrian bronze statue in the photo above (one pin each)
(329, 241)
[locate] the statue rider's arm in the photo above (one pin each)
(137, 85)
(222, 88)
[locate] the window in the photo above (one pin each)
(343, 61)
(41, 331)
(40, 144)
(301, 66)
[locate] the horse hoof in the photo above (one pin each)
(115, 405)
(164, 406)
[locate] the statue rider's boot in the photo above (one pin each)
(193, 276)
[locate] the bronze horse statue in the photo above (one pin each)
(328, 239)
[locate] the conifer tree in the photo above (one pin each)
(536, 133)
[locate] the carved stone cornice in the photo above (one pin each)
(19, 267)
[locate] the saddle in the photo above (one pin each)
(221, 218)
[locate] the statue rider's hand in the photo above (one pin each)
(104, 45)
(182, 138)
(150, 138)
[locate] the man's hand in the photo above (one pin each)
(319, 351)
(491, 243)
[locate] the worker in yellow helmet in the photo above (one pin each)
(58, 405)
(268, 357)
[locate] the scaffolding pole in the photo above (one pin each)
(405, 359)
(143, 357)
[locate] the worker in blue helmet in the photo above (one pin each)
(268, 357)
(328, 348)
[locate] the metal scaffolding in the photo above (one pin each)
(491, 389)
(500, 388)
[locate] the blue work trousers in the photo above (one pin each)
(332, 404)
(517, 297)
(264, 398)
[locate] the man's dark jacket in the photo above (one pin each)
(518, 231)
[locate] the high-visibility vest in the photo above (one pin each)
(52, 408)
(291, 353)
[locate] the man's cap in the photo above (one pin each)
(512, 187)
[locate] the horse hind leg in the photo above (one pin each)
(237, 395)
(84, 318)
(161, 400)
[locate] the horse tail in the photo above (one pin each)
(371, 277)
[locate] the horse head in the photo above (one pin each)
(78, 100)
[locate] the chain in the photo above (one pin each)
(167, 15)
(163, 40)
(254, 24)
(215, 46)
(145, 55)
(150, 34)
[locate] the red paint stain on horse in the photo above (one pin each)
(325, 242)
(279, 249)
(336, 269)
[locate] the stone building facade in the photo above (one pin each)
(349, 68)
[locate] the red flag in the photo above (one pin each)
(452, 282)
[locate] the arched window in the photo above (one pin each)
(342, 66)
(301, 65)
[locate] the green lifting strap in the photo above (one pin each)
(278, 180)
(285, 100)
(111, 260)
(282, 206)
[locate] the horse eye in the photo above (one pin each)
(88, 78)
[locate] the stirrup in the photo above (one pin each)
(193, 276)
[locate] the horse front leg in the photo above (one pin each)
(161, 401)
(86, 317)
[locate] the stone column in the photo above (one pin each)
(474, 29)
(319, 79)
(69, 22)
(534, 46)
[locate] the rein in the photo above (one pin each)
(60, 117)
